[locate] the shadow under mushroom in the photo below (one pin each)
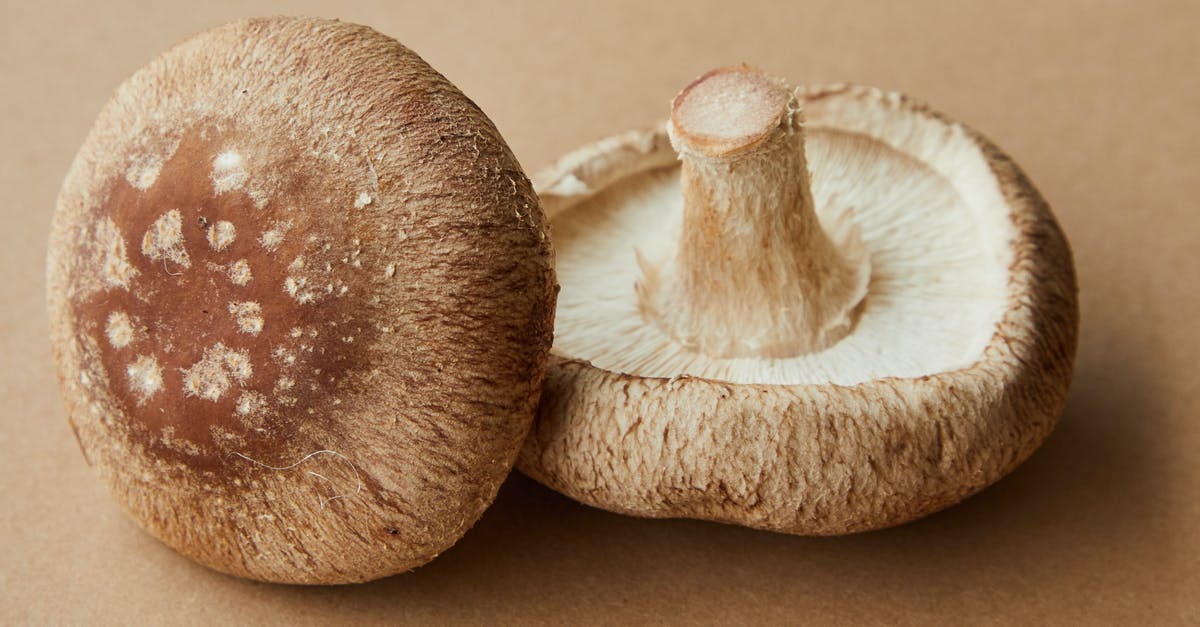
(1081, 506)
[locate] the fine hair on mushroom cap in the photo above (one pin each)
(816, 310)
(301, 302)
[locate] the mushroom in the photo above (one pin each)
(741, 340)
(301, 302)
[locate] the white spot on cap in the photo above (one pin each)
(164, 239)
(251, 404)
(239, 272)
(110, 248)
(229, 172)
(260, 197)
(362, 200)
(273, 237)
(119, 329)
(248, 316)
(221, 234)
(145, 377)
(210, 377)
(238, 364)
(390, 270)
(143, 172)
(296, 288)
(284, 355)
(145, 166)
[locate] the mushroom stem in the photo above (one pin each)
(754, 273)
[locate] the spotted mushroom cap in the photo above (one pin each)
(955, 371)
(301, 301)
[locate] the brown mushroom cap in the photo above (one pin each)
(638, 420)
(301, 301)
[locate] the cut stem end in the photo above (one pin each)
(754, 274)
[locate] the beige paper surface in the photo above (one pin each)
(1097, 101)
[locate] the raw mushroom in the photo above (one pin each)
(301, 302)
(739, 342)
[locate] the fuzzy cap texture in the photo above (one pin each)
(301, 302)
(819, 458)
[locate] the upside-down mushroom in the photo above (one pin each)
(814, 311)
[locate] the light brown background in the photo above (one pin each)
(1100, 103)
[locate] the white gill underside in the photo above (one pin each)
(937, 287)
